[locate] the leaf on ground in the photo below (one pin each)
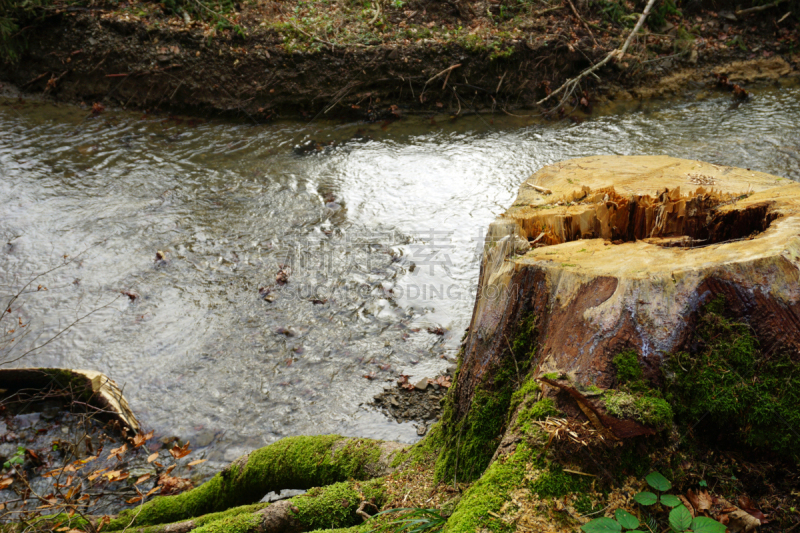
(626, 519)
(645, 498)
(658, 482)
(688, 505)
(152, 457)
(602, 525)
(118, 452)
(6, 482)
(750, 506)
(139, 440)
(680, 518)
(141, 478)
(197, 462)
(173, 485)
(701, 500)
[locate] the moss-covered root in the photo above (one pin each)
(490, 492)
(291, 463)
(334, 506)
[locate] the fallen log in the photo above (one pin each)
(97, 391)
(291, 463)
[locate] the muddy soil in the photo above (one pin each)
(114, 58)
(418, 403)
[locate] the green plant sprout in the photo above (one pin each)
(17, 459)
(680, 519)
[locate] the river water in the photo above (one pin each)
(381, 233)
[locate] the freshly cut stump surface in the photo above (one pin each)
(612, 253)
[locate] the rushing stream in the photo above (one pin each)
(381, 232)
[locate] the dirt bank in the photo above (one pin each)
(420, 57)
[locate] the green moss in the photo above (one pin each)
(525, 394)
(552, 375)
(524, 345)
(424, 451)
(650, 410)
(211, 517)
(555, 483)
(628, 367)
(334, 506)
(538, 411)
(328, 507)
(291, 463)
(472, 442)
(468, 444)
(489, 493)
(737, 391)
(584, 505)
(240, 523)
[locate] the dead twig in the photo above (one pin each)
(570, 84)
(755, 9)
(445, 71)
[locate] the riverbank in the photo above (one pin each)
(379, 62)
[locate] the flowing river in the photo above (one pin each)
(380, 233)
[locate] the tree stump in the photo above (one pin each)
(611, 253)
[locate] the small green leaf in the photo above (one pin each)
(703, 483)
(645, 498)
(602, 525)
(626, 519)
(669, 500)
(680, 518)
(701, 524)
(658, 482)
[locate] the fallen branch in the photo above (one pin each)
(445, 71)
(755, 9)
(377, 12)
(571, 83)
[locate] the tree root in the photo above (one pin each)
(335, 506)
(291, 463)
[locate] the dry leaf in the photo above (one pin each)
(118, 452)
(145, 477)
(152, 457)
(197, 462)
(140, 439)
(700, 501)
(180, 451)
(173, 485)
(103, 523)
(6, 482)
